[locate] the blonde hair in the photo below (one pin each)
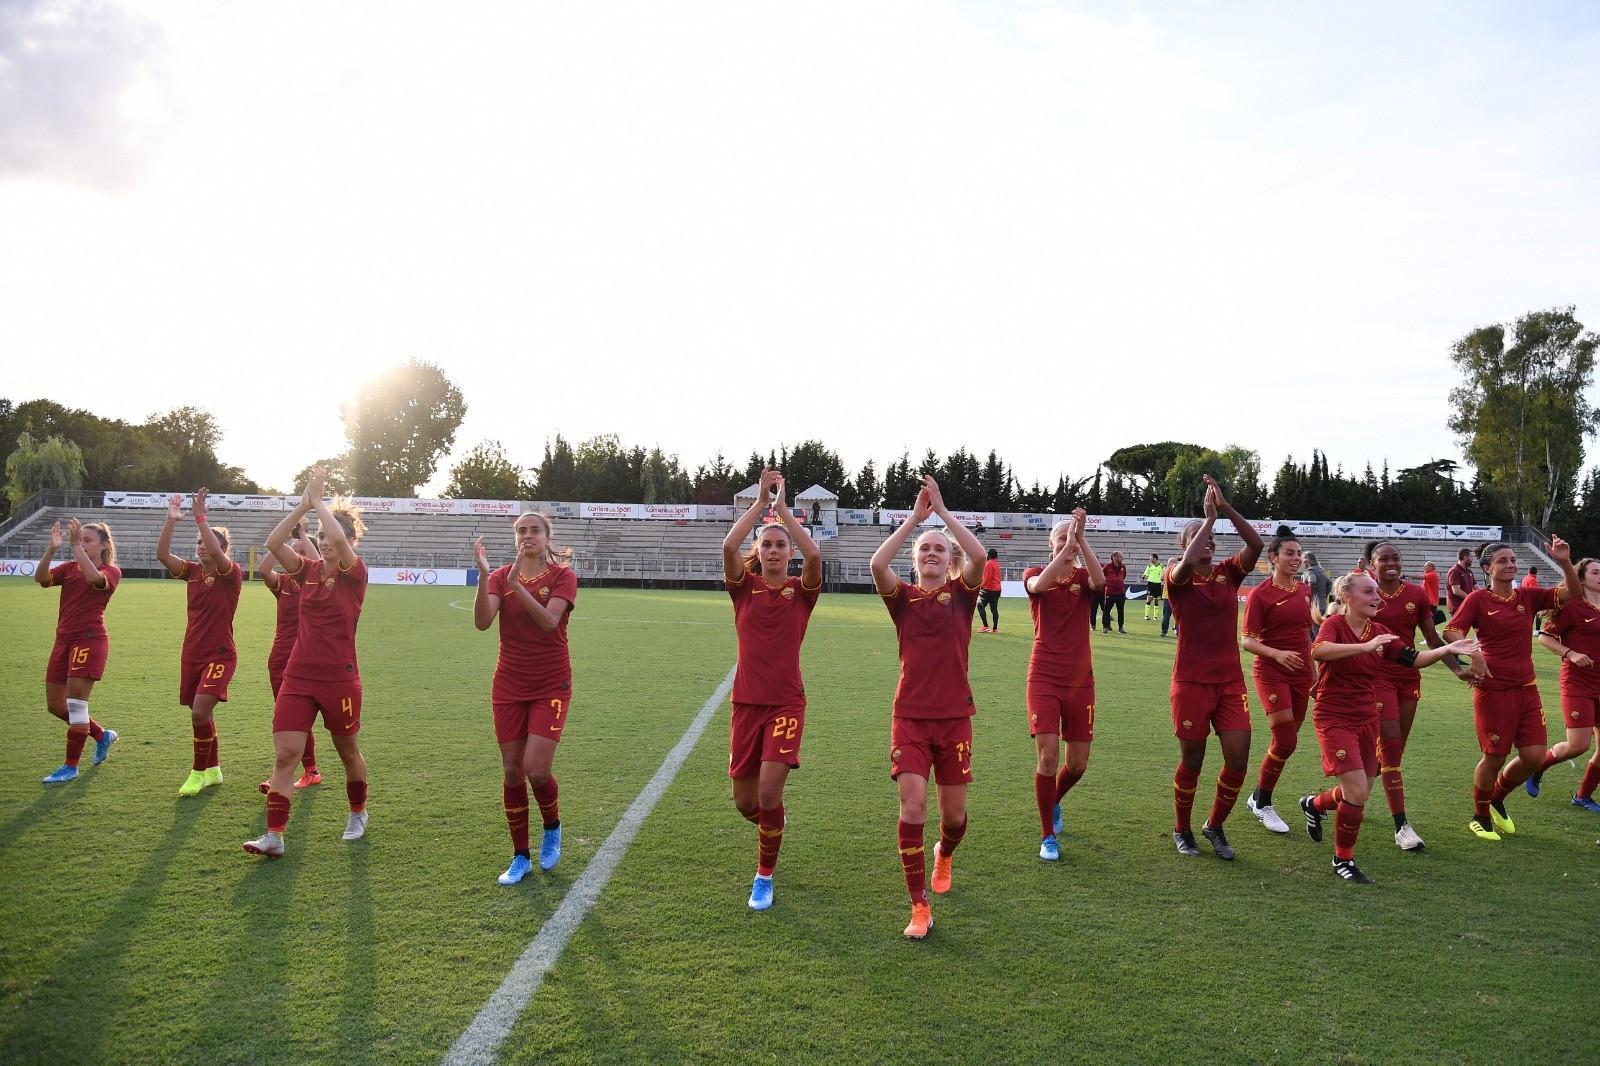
(108, 554)
(552, 553)
(1341, 591)
(1190, 530)
(223, 535)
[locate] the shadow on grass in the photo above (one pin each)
(90, 981)
(357, 1005)
(55, 798)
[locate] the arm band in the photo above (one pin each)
(1407, 657)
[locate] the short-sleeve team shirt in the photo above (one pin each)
(1280, 618)
(1577, 624)
(213, 599)
(533, 664)
(1460, 577)
(1401, 614)
(1060, 653)
(330, 610)
(1505, 631)
(933, 629)
(770, 624)
(1116, 579)
(287, 597)
(1207, 611)
(1345, 687)
(82, 614)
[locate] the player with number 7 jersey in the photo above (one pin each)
(771, 610)
(533, 596)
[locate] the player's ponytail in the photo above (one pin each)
(553, 552)
(1486, 553)
(223, 537)
(1284, 535)
(108, 554)
(348, 515)
(752, 555)
(1341, 592)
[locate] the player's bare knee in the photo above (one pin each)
(770, 796)
(1077, 766)
(1048, 762)
(538, 778)
(914, 811)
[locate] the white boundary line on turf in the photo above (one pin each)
(482, 1039)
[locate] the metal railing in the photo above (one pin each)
(46, 498)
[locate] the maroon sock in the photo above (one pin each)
(1183, 786)
(308, 761)
(213, 757)
(1228, 784)
(545, 795)
(1591, 780)
(1065, 779)
(1346, 824)
(1284, 738)
(1502, 788)
(1329, 800)
(771, 837)
(1044, 797)
(277, 812)
(752, 816)
(1480, 803)
(1394, 787)
(1551, 758)
(95, 731)
(202, 744)
(77, 736)
(949, 838)
(912, 861)
(515, 798)
(356, 792)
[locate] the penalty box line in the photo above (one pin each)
(489, 1029)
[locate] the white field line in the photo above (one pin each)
(482, 1039)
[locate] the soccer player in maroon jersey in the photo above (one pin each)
(209, 658)
(82, 646)
(1207, 682)
(322, 674)
(770, 614)
(1405, 609)
(1061, 671)
(1505, 701)
(1573, 633)
(1278, 616)
(931, 731)
(532, 692)
(286, 594)
(1351, 648)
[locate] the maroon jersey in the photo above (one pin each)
(330, 609)
(83, 608)
(770, 622)
(1345, 687)
(1505, 631)
(1116, 578)
(533, 663)
(1207, 611)
(1280, 617)
(933, 629)
(1402, 614)
(287, 595)
(1461, 577)
(1060, 630)
(213, 599)
(1577, 624)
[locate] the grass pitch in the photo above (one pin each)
(134, 929)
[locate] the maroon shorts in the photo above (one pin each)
(1348, 746)
(276, 665)
(940, 745)
(1067, 711)
(77, 658)
(1393, 691)
(543, 717)
(1579, 712)
(1279, 693)
(1508, 718)
(761, 733)
(205, 679)
(1197, 707)
(298, 702)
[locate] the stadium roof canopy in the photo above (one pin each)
(817, 492)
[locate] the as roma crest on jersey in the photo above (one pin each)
(944, 597)
(544, 593)
(211, 579)
(1411, 607)
(1076, 587)
(1218, 577)
(788, 592)
(1521, 609)
(1272, 697)
(894, 756)
(327, 582)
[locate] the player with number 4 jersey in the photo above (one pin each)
(770, 613)
(533, 596)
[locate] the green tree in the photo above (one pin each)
(864, 490)
(1521, 414)
(399, 425)
(1148, 463)
(339, 481)
(716, 482)
(52, 463)
(557, 476)
(1184, 484)
(486, 473)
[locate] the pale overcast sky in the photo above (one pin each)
(1051, 229)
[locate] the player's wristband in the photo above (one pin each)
(1565, 654)
(200, 518)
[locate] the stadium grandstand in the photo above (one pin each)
(664, 550)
